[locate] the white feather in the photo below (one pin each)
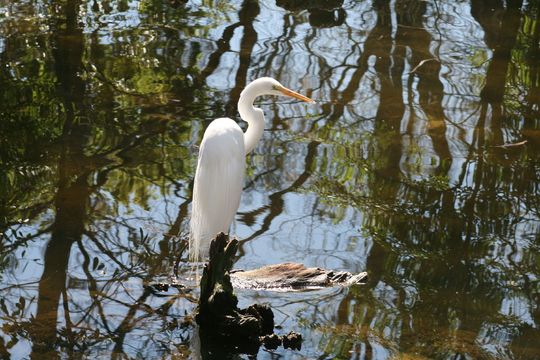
(218, 184)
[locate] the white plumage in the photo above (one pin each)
(219, 177)
(220, 169)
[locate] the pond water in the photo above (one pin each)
(420, 164)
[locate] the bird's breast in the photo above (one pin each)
(223, 139)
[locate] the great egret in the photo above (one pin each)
(222, 161)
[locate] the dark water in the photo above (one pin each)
(398, 171)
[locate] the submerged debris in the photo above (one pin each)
(292, 341)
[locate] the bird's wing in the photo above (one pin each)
(218, 183)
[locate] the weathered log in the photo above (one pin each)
(293, 276)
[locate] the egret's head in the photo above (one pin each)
(269, 86)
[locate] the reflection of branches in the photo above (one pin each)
(276, 48)
(18, 285)
(93, 289)
(380, 260)
(104, 250)
(276, 199)
(223, 46)
(259, 176)
(99, 75)
(247, 14)
(21, 239)
(128, 323)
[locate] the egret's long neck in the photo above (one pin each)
(253, 116)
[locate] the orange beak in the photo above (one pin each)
(294, 94)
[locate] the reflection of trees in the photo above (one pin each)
(73, 188)
(321, 13)
(100, 151)
(71, 200)
(533, 96)
(500, 36)
(247, 14)
(437, 239)
(276, 201)
(444, 258)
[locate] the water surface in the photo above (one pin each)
(420, 165)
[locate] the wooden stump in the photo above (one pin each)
(225, 327)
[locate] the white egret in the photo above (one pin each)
(221, 165)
